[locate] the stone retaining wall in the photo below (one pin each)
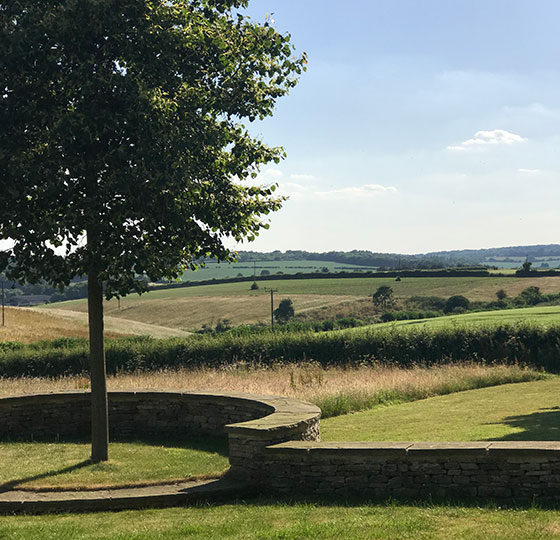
(273, 444)
(250, 421)
(417, 470)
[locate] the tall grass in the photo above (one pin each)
(335, 390)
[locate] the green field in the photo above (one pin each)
(527, 411)
(216, 270)
(474, 288)
(542, 315)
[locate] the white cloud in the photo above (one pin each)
(302, 177)
(529, 171)
(367, 190)
(491, 137)
(271, 173)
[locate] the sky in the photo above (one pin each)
(420, 125)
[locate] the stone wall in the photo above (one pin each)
(251, 422)
(273, 443)
(418, 470)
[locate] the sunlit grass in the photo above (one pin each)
(266, 519)
(527, 411)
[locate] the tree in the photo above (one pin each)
(456, 302)
(525, 269)
(285, 311)
(122, 148)
(531, 295)
(501, 294)
(383, 296)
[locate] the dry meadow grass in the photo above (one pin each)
(190, 313)
(27, 325)
(308, 382)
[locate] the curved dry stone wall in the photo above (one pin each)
(273, 443)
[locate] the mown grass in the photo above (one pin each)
(283, 520)
(65, 464)
(527, 411)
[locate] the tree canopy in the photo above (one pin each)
(383, 296)
(122, 121)
(285, 310)
(123, 148)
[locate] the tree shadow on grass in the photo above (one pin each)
(13, 484)
(543, 425)
(212, 444)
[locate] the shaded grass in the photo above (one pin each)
(525, 411)
(265, 519)
(65, 464)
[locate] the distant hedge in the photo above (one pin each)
(536, 346)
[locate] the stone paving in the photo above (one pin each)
(181, 494)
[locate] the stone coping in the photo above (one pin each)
(275, 413)
(417, 449)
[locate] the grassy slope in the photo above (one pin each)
(27, 325)
(537, 314)
(524, 411)
(31, 465)
(189, 308)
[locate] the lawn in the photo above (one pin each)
(66, 464)
(265, 519)
(515, 412)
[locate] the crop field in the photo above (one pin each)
(175, 311)
(188, 308)
(215, 270)
(27, 325)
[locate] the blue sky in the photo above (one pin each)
(419, 125)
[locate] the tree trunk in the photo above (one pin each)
(99, 406)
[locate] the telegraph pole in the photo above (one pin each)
(3, 319)
(272, 291)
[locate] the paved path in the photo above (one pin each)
(180, 494)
